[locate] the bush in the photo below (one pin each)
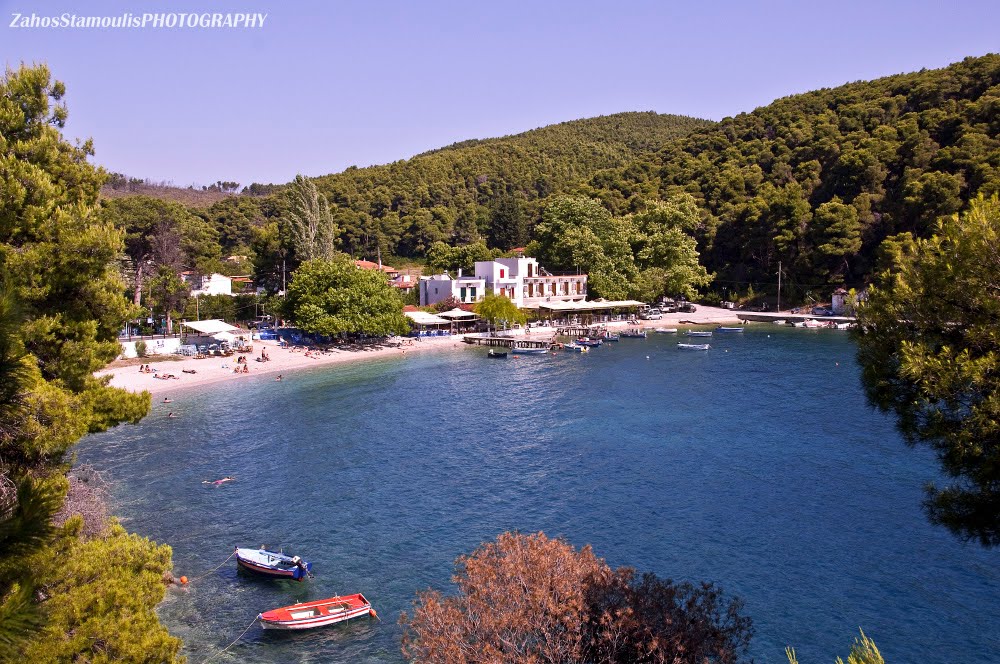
(140, 349)
(528, 598)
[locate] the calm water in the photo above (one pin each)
(756, 465)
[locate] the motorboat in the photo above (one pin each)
(273, 563)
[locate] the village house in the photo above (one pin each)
(522, 280)
(207, 284)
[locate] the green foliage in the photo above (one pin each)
(863, 651)
(499, 310)
(443, 258)
(310, 223)
(140, 349)
(61, 307)
(484, 189)
(107, 618)
(929, 347)
(640, 256)
(335, 297)
(819, 180)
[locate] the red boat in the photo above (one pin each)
(306, 615)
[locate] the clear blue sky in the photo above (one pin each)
(325, 85)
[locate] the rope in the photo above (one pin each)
(214, 570)
(233, 643)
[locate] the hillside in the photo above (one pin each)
(484, 187)
(817, 181)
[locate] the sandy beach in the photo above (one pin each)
(287, 360)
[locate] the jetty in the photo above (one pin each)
(760, 317)
(507, 342)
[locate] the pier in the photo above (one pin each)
(507, 342)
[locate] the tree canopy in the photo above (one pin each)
(61, 306)
(334, 297)
(929, 347)
(528, 598)
(499, 310)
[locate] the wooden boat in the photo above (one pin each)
(273, 563)
(697, 333)
(306, 615)
(723, 328)
(587, 341)
(694, 346)
(611, 337)
(633, 334)
(665, 330)
(497, 354)
(529, 351)
(576, 348)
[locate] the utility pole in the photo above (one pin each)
(779, 287)
(283, 293)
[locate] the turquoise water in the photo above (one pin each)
(756, 465)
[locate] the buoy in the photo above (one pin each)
(647, 357)
(372, 613)
(184, 580)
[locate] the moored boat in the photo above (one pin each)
(273, 563)
(575, 348)
(306, 615)
(723, 328)
(694, 346)
(665, 330)
(611, 337)
(497, 355)
(780, 321)
(633, 334)
(529, 351)
(587, 341)
(699, 333)
(844, 326)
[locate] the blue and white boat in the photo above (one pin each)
(575, 348)
(723, 328)
(665, 330)
(699, 333)
(611, 337)
(587, 341)
(273, 563)
(633, 334)
(694, 346)
(517, 350)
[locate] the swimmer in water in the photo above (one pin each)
(166, 400)
(171, 414)
(218, 482)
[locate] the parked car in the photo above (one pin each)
(648, 315)
(687, 308)
(821, 311)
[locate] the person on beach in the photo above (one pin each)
(279, 377)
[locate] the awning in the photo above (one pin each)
(590, 306)
(424, 318)
(225, 336)
(210, 327)
(457, 313)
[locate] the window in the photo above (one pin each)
(472, 292)
(462, 297)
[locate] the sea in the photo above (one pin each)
(756, 465)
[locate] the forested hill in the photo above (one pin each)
(485, 187)
(819, 180)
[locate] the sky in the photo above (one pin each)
(326, 85)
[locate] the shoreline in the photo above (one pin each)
(213, 370)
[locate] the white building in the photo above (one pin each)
(521, 280)
(208, 284)
(440, 287)
(528, 284)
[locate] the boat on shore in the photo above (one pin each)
(694, 346)
(272, 563)
(306, 615)
(665, 330)
(699, 333)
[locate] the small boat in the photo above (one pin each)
(587, 341)
(723, 328)
(633, 334)
(611, 337)
(780, 321)
(529, 351)
(699, 333)
(497, 354)
(576, 348)
(814, 324)
(694, 346)
(665, 330)
(845, 326)
(273, 563)
(306, 615)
